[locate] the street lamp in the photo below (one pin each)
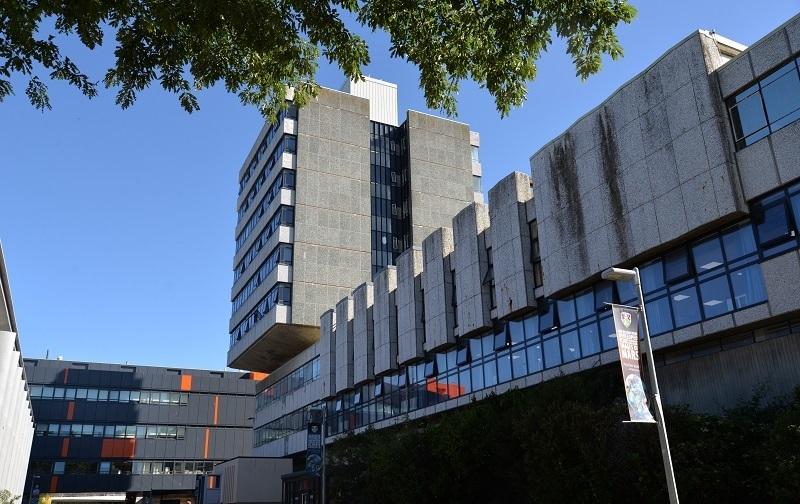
(323, 411)
(625, 275)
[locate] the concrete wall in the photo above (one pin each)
(471, 264)
(771, 161)
(363, 333)
(440, 172)
(649, 166)
(344, 344)
(332, 211)
(327, 357)
(437, 289)
(410, 306)
(385, 319)
(511, 244)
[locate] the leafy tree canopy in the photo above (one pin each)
(258, 48)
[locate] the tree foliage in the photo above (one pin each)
(259, 48)
(6, 497)
(564, 441)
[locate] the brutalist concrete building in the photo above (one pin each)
(329, 195)
(16, 415)
(690, 171)
(119, 432)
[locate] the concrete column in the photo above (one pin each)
(344, 344)
(327, 357)
(471, 264)
(385, 317)
(363, 334)
(437, 289)
(511, 244)
(410, 326)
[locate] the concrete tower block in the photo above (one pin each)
(363, 334)
(344, 344)
(471, 265)
(327, 353)
(511, 244)
(410, 326)
(437, 289)
(385, 316)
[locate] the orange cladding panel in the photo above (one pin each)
(205, 451)
(53, 484)
(216, 409)
(65, 447)
(186, 382)
(66, 375)
(107, 450)
(70, 410)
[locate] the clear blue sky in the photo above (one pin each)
(117, 226)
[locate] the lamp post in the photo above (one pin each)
(323, 411)
(34, 487)
(624, 275)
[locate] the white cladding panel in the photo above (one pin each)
(382, 98)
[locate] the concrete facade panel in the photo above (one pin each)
(437, 289)
(385, 317)
(344, 344)
(410, 307)
(471, 265)
(363, 333)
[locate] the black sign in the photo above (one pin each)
(314, 448)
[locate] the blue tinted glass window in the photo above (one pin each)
(685, 306)
(707, 255)
(590, 339)
(488, 344)
(570, 348)
(535, 362)
(477, 378)
(566, 311)
(781, 94)
(516, 332)
(585, 303)
(772, 223)
(608, 333)
(475, 348)
(748, 115)
(739, 241)
(627, 291)
(604, 293)
(552, 353)
(652, 277)
(504, 368)
(464, 382)
(676, 265)
(748, 286)
(531, 323)
(716, 296)
(659, 316)
(547, 316)
(519, 364)
(490, 373)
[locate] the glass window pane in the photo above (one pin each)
(91, 394)
(739, 241)
(81, 394)
(772, 223)
(477, 378)
(535, 362)
(570, 348)
(475, 349)
(707, 254)
(98, 431)
(464, 381)
(531, 323)
(36, 391)
(782, 96)
(490, 373)
(748, 286)
(627, 291)
(102, 395)
(748, 116)
(590, 339)
(109, 433)
(519, 364)
(716, 296)
(488, 344)
(585, 303)
(676, 265)
(547, 317)
(58, 393)
(604, 293)
(516, 332)
(69, 394)
(566, 311)
(141, 431)
(124, 395)
(608, 333)
(504, 368)
(552, 352)
(685, 306)
(652, 276)
(659, 316)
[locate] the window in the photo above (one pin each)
(488, 280)
(677, 265)
(536, 259)
(766, 106)
(475, 154)
(476, 184)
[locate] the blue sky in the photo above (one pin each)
(117, 226)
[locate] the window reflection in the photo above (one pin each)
(687, 309)
(716, 296)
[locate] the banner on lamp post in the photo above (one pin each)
(626, 322)
(314, 448)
